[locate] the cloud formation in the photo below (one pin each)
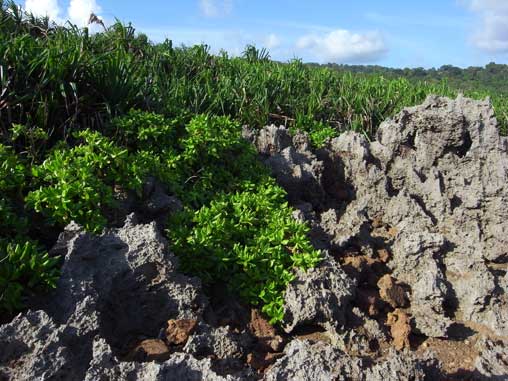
(78, 11)
(343, 46)
(215, 8)
(492, 32)
(43, 8)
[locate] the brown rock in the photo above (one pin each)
(261, 361)
(400, 328)
(178, 331)
(265, 332)
(259, 326)
(149, 350)
(356, 262)
(391, 292)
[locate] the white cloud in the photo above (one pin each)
(215, 8)
(272, 41)
(344, 46)
(43, 8)
(79, 11)
(492, 32)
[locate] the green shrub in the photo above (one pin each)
(248, 239)
(318, 132)
(12, 182)
(24, 269)
(78, 183)
(215, 159)
(12, 171)
(141, 130)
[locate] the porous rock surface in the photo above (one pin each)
(492, 364)
(115, 289)
(431, 190)
(320, 296)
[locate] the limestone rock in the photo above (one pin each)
(319, 296)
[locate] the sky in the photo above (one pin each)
(393, 33)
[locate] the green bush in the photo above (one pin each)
(141, 130)
(78, 183)
(24, 269)
(215, 159)
(12, 182)
(318, 132)
(247, 239)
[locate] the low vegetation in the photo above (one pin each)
(84, 116)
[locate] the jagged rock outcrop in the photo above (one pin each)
(105, 367)
(115, 289)
(306, 360)
(431, 189)
(404, 366)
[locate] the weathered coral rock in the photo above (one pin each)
(307, 361)
(492, 363)
(120, 286)
(431, 190)
(105, 366)
(294, 166)
(319, 296)
(404, 366)
(220, 342)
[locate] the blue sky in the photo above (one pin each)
(391, 33)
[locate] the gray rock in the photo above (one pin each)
(492, 362)
(104, 367)
(362, 341)
(319, 296)
(271, 139)
(296, 168)
(414, 264)
(35, 348)
(121, 286)
(220, 342)
(432, 188)
(307, 361)
(403, 366)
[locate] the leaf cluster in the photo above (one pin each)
(24, 267)
(247, 239)
(76, 184)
